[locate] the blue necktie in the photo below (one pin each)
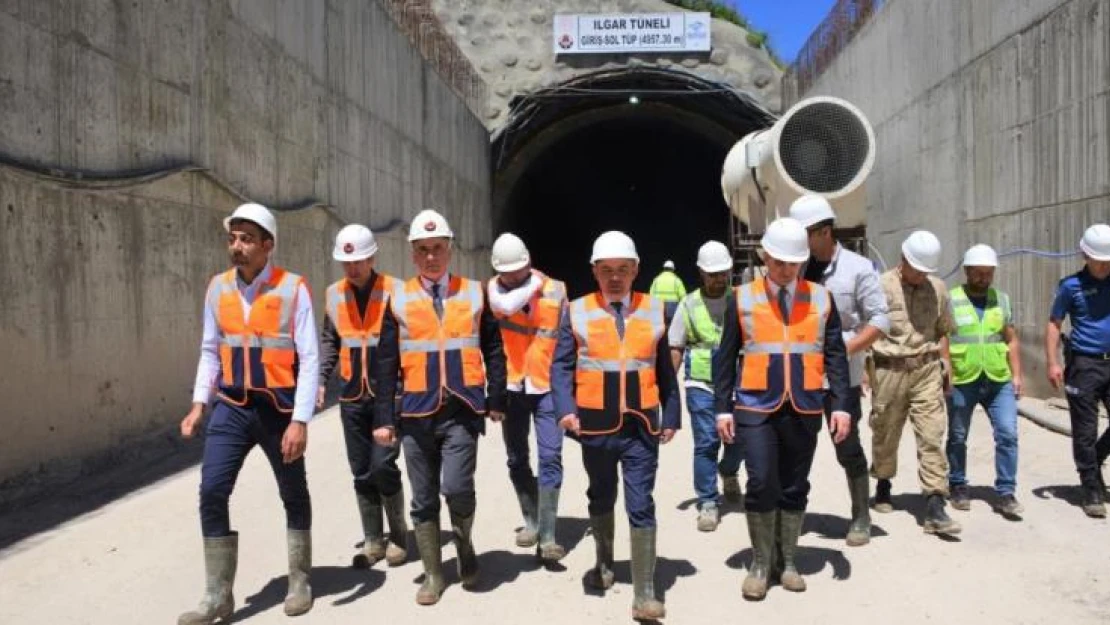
(784, 303)
(620, 318)
(437, 301)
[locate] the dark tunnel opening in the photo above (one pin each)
(582, 165)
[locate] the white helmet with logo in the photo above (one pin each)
(429, 224)
(354, 242)
(509, 253)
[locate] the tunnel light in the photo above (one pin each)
(633, 99)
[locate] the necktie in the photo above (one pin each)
(437, 301)
(620, 318)
(784, 303)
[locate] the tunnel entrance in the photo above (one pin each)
(638, 150)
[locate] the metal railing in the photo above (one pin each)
(845, 19)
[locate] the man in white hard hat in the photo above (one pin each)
(259, 353)
(694, 334)
(615, 391)
(668, 288)
(779, 342)
(529, 304)
(854, 285)
(912, 375)
(1084, 298)
(986, 371)
(441, 339)
(352, 328)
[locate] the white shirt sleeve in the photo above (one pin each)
(308, 355)
(676, 335)
(508, 303)
(209, 366)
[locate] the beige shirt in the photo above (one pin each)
(919, 316)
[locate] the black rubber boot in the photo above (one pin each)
(601, 577)
(427, 543)
(645, 605)
(859, 532)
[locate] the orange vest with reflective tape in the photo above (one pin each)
(530, 337)
(440, 356)
(257, 350)
(782, 361)
(615, 377)
(358, 334)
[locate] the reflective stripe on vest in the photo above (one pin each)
(703, 334)
(440, 355)
(358, 334)
(667, 287)
(615, 377)
(977, 346)
(530, 338)
(782, 361)
(257, 351)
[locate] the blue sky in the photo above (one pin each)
(788, 22)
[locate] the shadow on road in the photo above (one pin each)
(725, 508)
(497, 568)
(809, 560)
(914, 505)
(326, 581)
(1072, 494)
(833, 527)
(667, 572)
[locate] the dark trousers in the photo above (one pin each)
(1087, 381)
(441, 454)
(373, 466)
(636, 453)
(849, 452)
(669, 309)
(779, 451)
(515, 428)
(231, 434)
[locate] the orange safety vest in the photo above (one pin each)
(257, 351)
(439, 356)
(358, 334)
(530, 338)
(782, 361)
(615, 377)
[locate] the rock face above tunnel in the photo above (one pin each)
(509, 42)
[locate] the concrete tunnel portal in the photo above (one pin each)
(634, 149)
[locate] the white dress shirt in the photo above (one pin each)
(304, 338)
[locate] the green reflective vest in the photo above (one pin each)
(703, 334)
(977, 346)
(668, 287)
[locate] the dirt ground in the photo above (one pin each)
(137, 559)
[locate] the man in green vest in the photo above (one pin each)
(668, 288)
(986, 371)
(695, 332)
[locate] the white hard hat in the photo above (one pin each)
(786, 240)
(1096, 242)
(811, 209)
(980, 256)
(354, 242)
(668, 264)
(429, 224)
(713, 257)
(612, 245)
(509, 253)
(922, 251)
(256, 214)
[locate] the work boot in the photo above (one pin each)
(373, 546)
(397, 551)
(960, 498)
(1008, 505)
(464, 550)
(883, 502)
(601, 576)
(221, 556)
(645, 605)
(708, 518)
(528, 535)
(427, 543)
(789, 529)
(549, 550)
(859, 532)
(937, 520)
(299, 598)
(1093, 502)
(733, 493)
(761, 530)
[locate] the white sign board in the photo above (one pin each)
(640, 32)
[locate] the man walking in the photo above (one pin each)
(668, 288)
(694, 333)
(259, 351)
